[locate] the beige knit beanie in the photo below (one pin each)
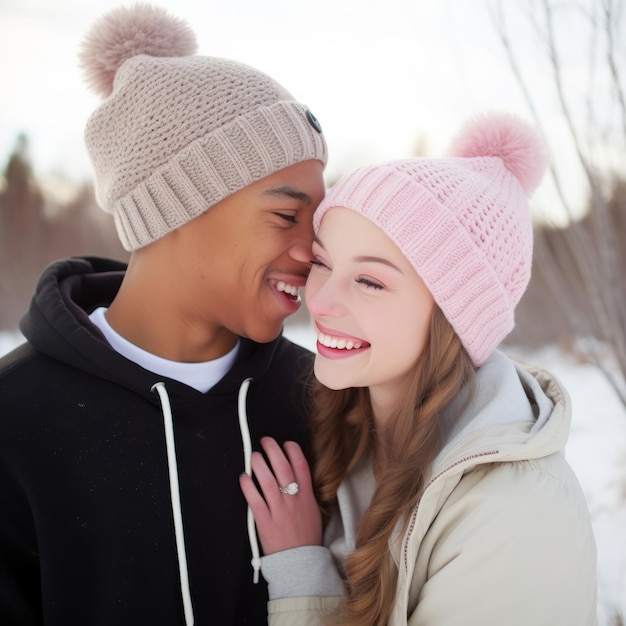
(176, 133)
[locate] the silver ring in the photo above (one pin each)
(291, 489)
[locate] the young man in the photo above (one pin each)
(127, 416)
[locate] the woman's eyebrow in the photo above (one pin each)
(378, 259)
(364, 258)
(285, 191)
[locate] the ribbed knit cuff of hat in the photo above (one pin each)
(210, 169)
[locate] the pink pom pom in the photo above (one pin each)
(127, 32)
(509, 138)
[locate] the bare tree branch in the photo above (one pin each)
(592, 247)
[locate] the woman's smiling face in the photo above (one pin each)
(370, 307)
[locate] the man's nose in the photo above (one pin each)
(300, 249)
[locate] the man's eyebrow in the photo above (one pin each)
(364, 258)
(285, 191)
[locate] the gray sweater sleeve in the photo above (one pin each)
(305, 571)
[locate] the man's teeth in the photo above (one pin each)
(338, 342)
(292, 290)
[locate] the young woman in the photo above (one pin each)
(445, 496)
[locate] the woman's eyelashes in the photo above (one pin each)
(361, 280)
(369, 283)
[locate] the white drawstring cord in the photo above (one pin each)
(247, 453)
(175, 497)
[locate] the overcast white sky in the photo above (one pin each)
(379, 74)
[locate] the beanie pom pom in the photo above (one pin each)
(127, 32)
(509, 138)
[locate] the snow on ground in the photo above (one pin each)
(596, 451)
(8, 341)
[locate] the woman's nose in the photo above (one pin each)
(324, 296)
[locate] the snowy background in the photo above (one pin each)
(386, 79)
(596, 450)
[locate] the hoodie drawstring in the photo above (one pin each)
(172, 467)
(247, 453)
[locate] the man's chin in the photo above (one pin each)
(266, 335)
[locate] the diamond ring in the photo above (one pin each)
(291, 489)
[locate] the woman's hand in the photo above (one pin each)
(283, 521)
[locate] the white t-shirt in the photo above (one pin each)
(200, 376)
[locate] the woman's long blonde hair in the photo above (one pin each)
(343, 432)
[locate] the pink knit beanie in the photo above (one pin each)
(176, 133)
(463, 222)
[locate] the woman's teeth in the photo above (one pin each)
(338, 342)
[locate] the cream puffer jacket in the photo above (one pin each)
(502, 534)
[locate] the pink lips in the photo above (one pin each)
(338, 353)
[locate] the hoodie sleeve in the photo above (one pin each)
(305, 571)
(20, 587)
(304, 586)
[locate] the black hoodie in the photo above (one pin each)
(86, 524)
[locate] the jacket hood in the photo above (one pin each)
(516, 412)
(57, 324)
